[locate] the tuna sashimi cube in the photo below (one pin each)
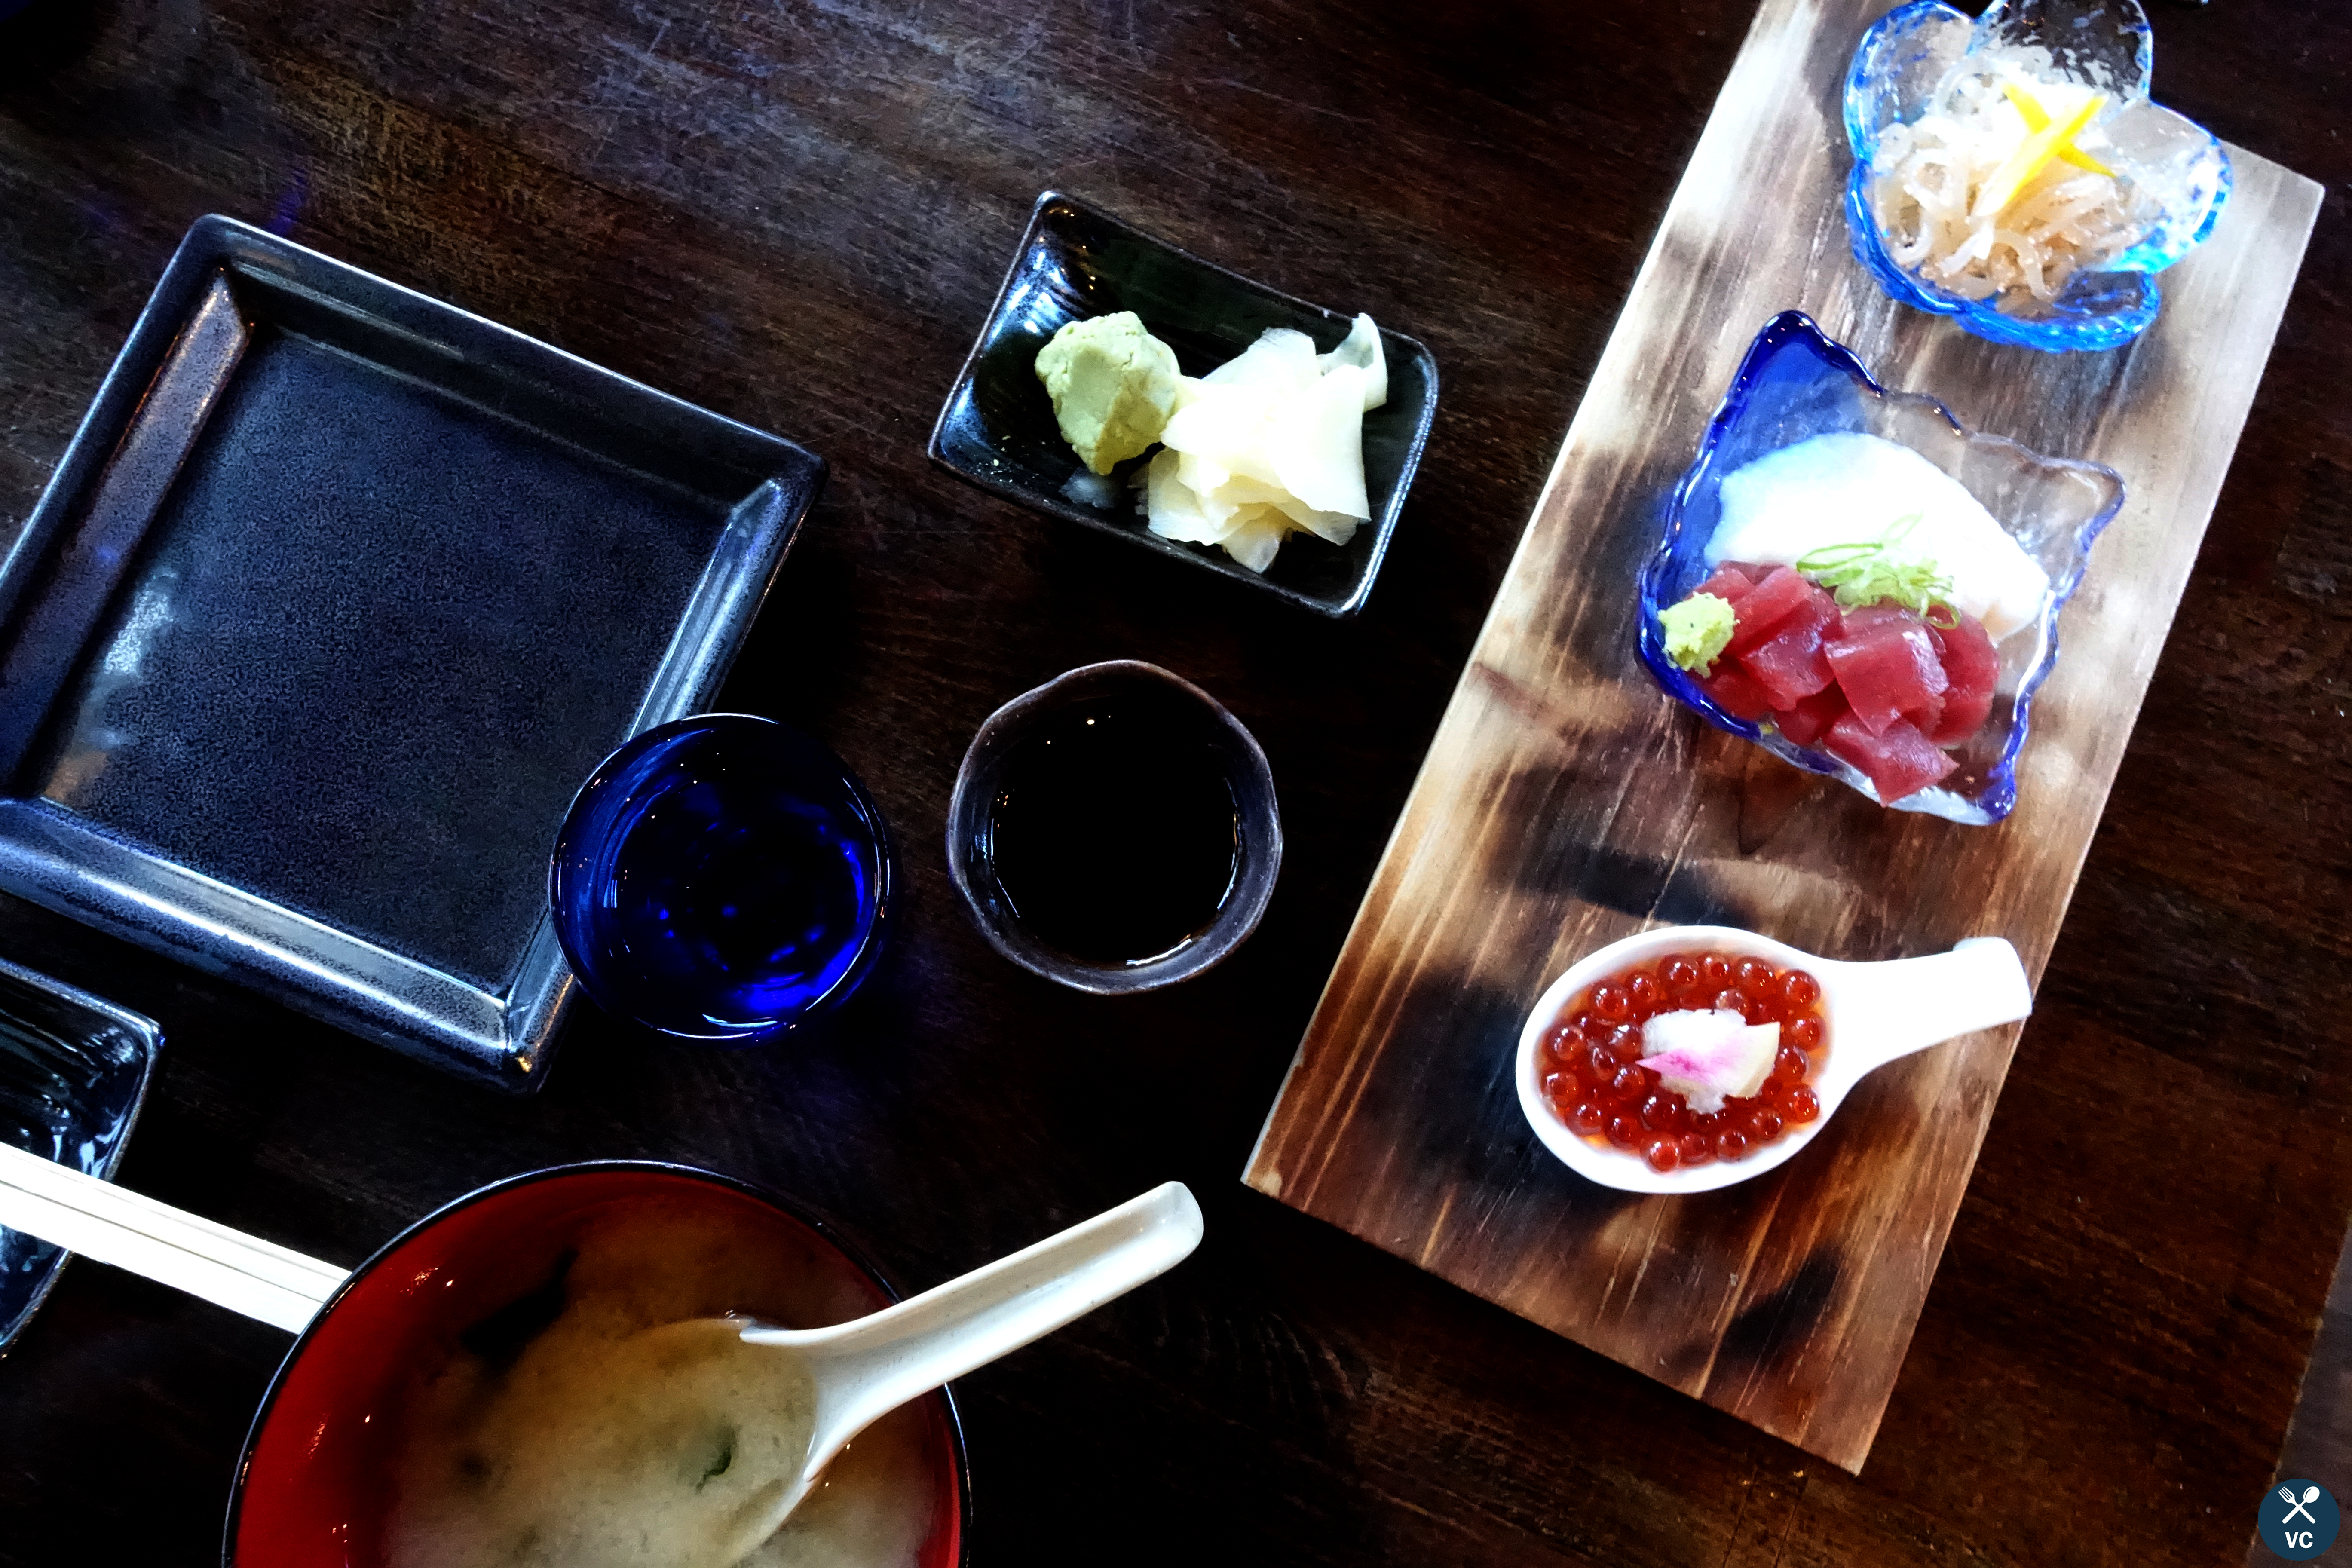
(1899, 760)
(1928, 714)
(1886, 663)
(1972, 666)
(1790, 665)
(1735, 690)
(1727, 583)
(1782, 593)
(1805, 723)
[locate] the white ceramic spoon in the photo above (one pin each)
(866, 1369)
(1874, 1013)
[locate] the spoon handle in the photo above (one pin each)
(1883, 1011)
(75, 1210)
(879, 1363)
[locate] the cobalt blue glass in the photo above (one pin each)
(2175, 175)
(722, 878)
(1796, 383)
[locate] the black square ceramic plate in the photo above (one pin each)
(336, 597)
(998, 428)
(73, 1073)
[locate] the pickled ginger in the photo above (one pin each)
(1268, 444)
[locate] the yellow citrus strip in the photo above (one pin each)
(2073, 154)
(2036, 117)
(2048, 141)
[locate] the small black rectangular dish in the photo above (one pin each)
(338, 594)
(997, 429)
(74, 1071)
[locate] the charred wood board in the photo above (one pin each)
(1566, 802)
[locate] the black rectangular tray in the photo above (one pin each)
(337, 596)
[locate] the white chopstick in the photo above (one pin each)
(132, 1231)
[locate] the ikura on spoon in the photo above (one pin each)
(1748, 1046)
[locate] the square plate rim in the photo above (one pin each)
(496, 1035)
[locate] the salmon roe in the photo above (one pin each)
(1592, 1076)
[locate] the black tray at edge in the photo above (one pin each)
(80, 551)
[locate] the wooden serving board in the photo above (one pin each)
(1566, 802)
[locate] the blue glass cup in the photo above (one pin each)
(721, 880)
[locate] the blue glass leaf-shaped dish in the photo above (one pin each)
(1796, 383)
(2173, 174)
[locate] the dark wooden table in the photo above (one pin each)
(796, 212)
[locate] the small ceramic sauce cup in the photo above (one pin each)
(1258, 827)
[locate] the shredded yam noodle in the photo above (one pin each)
(1934, 178)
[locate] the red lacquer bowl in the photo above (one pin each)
(311, 1489)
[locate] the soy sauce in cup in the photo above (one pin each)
(1113, 831)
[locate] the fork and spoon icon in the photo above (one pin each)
(2310, 1496)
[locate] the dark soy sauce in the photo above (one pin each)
(1113, 833)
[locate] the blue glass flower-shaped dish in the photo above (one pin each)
(1925, 66)
(1795, 384)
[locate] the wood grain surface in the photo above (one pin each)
(1566, 802)
(795, 212)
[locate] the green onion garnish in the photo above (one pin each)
(1867, 572)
